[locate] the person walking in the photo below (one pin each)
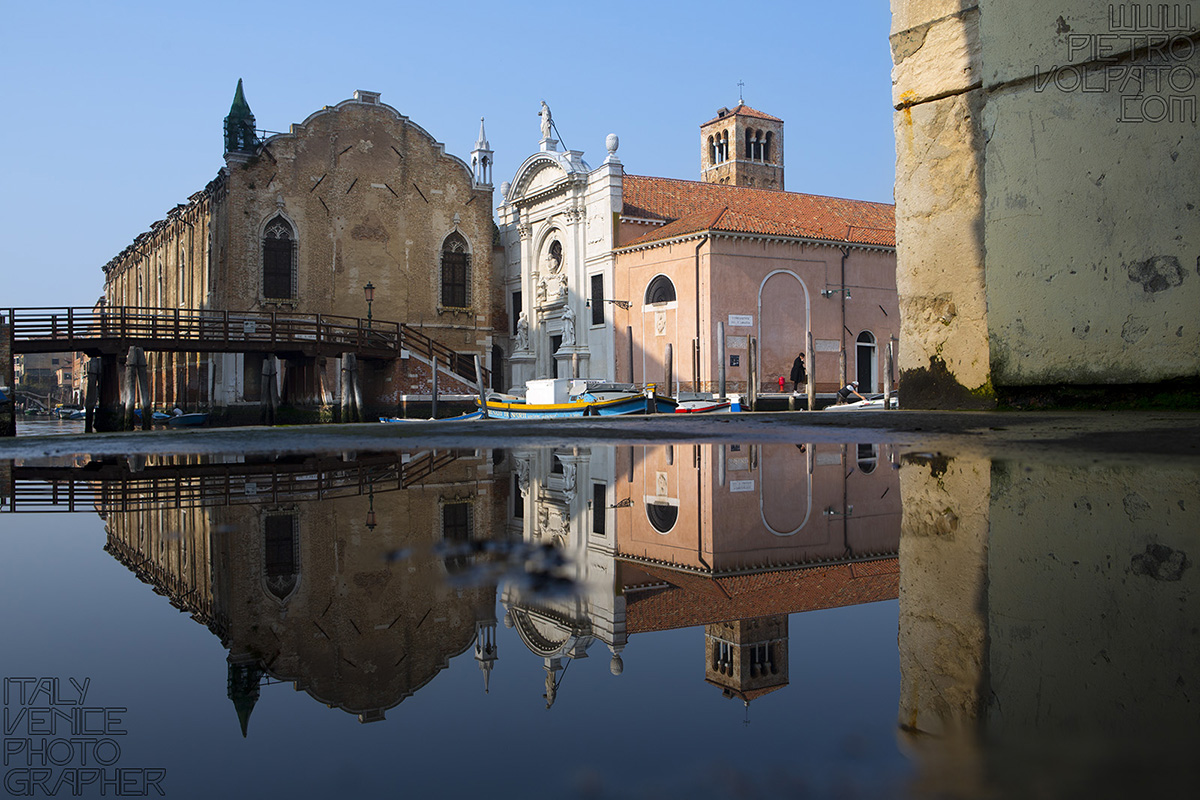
(799, 373)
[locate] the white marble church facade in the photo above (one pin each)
(558, 226)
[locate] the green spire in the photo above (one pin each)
(239, 125)
(243, 691)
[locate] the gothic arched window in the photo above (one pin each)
(660, 290)
(766, 148)
(279, 260)
(456, 272)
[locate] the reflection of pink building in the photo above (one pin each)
(721, 510)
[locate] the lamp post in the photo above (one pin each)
(369, 291)
(371, 510)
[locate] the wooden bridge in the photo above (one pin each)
(112, 331)
(116, 487)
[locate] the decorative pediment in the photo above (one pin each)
(545, 173)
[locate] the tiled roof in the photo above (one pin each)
(692, 206)
(743, 110)
(693, 599)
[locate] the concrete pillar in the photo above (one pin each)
(939, 204)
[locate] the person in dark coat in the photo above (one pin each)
(799, 373)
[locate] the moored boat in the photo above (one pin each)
(188, 420)
(558, 398)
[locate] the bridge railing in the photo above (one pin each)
(270, 329)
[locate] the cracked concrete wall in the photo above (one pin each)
(1046, 199)
(1093, 593)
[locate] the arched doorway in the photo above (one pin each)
(867, 367)
(782, 327)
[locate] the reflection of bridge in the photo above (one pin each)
(110, 487)
(112, 331)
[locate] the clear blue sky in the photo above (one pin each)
(113, 111)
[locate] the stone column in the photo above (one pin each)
(943, 618)
(939, 204)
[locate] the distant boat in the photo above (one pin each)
(709, 406)
(558, 398)
(187, 420)
(872, 403)
(157, 416)
(460, 418)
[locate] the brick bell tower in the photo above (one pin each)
(742, 146)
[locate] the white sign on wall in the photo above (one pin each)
(827, 345)
(741, 486)
(741, 320)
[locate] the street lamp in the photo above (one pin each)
(371, 511)
(369, 291)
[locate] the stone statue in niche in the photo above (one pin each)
(522, 343)
(568, 327)
(522, 465)
(552, 288)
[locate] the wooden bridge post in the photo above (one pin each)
(479, 387)
(137, 386)
(434, 393)
(108, 417)
(91, 395)
(269, 393)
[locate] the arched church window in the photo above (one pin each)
(725, 145)
(660, 290)
(281, 554)
(456, 272)
(749, 144)
(712, 150)
(766, 151)
(662, 516)
(279, 260)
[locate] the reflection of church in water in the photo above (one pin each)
(320, 572)
(338, 576)
(732, 538)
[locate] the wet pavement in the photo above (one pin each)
(1112, 435)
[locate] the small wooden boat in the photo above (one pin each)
(461, 417)
(187, 420)
(709, 406)
(872, 403)
(559, 398)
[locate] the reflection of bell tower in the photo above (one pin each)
(742, 147)
(485, 648)
(747, 658)
(242, 689)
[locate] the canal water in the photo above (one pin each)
(755, 619)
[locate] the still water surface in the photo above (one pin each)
(755, 620)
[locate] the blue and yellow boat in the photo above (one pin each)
(555, 398)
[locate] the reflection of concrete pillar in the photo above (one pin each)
(1093, 598)
(943, 624)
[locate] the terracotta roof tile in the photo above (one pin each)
(743, 110)
(692, 206)
(692, 599)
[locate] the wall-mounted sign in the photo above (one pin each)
(741, 486)
(741, 320)
(827, 345)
